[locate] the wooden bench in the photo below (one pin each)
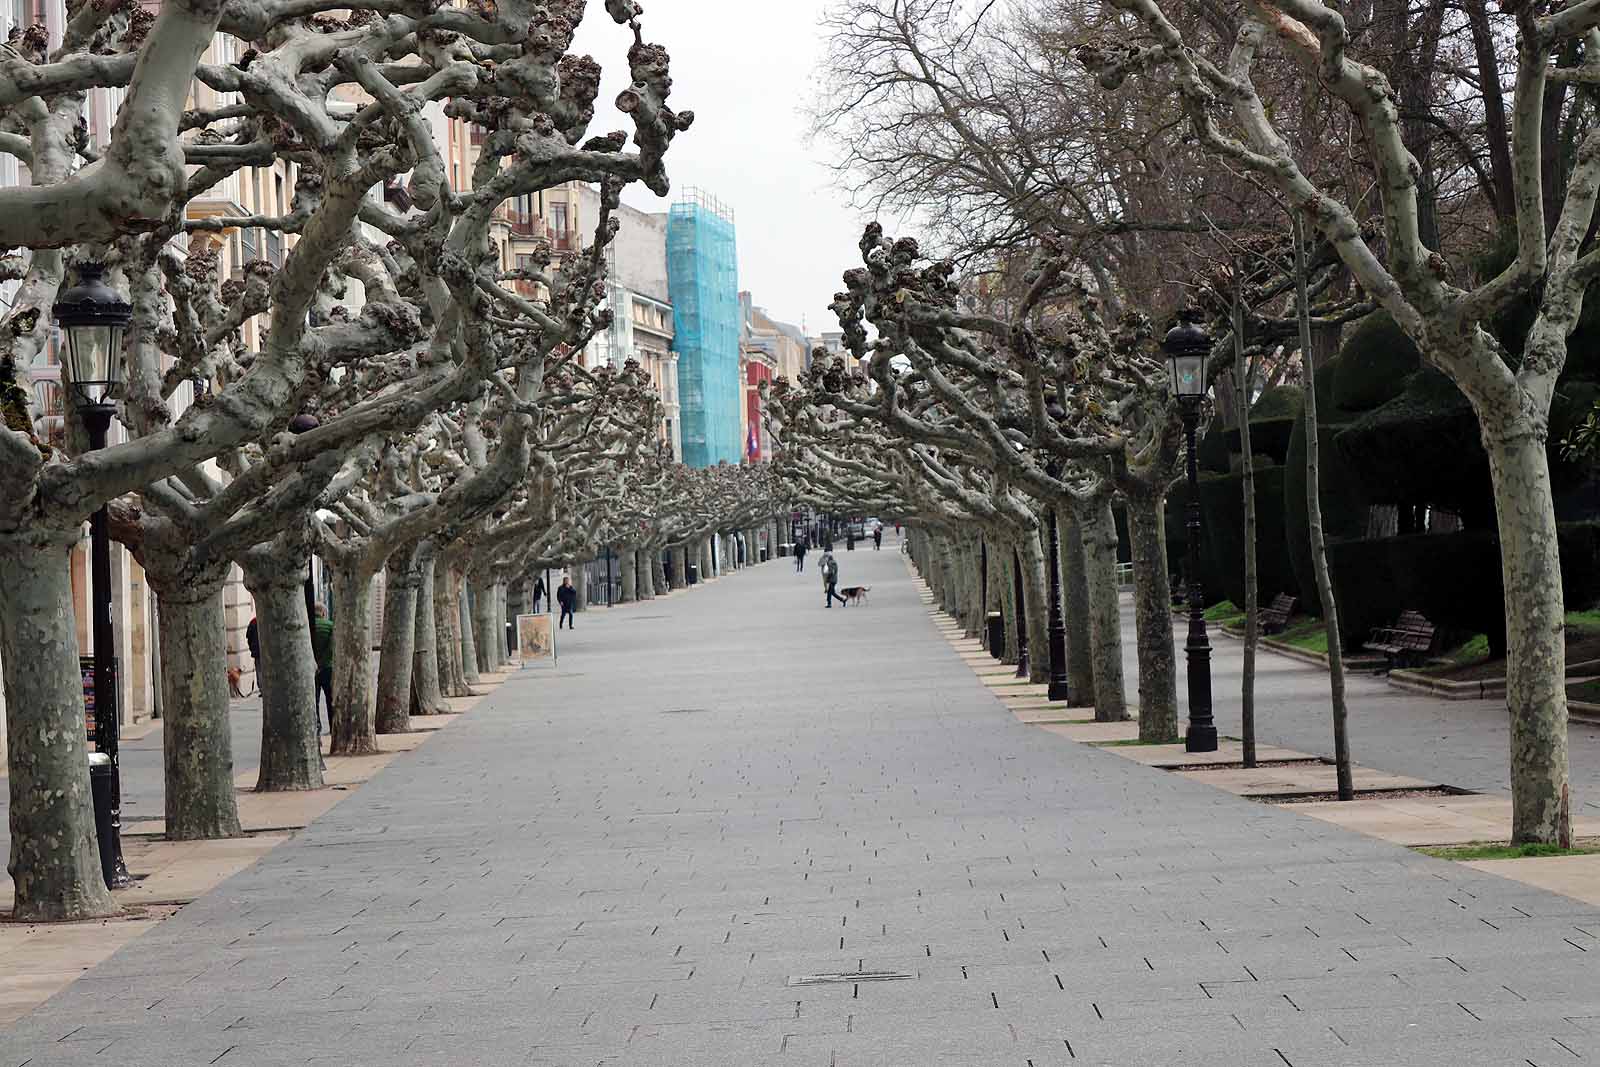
(1276, 617)
(1406, 643)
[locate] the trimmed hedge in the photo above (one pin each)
(1373, 364)
(1222, 537)
(1453, 579)
(1271, 421)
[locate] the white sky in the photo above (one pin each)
(746, 69)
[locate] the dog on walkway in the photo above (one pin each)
(235, 676)
(855, 594)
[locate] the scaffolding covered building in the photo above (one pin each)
(703, 278)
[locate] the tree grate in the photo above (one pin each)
(850, 977)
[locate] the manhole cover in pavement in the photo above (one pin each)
(848, 977)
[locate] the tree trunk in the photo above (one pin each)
(628, 561)
(1536, 661)
(467, 620)
(483, 626)
(502, 649)
(398, 645)
(426, 691)
(291, 751)
(1075, 606)
(196, 736)
(447, 631)
(1001, 554)
(1319, 548)
(354, 728)
(1252, 594)
(658, 573)
(1152, 609)
(1036, 601)
(55, 861)
(680, 566)
(1105, 617)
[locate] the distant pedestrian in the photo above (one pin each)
(830, 578)
(322, 652)
(877, 538)
(252, 638)
(800, 556)
(567, 597)
(539, 592)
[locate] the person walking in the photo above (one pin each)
(567, 597)
(877, 538)
(252, 639)
(830, 579)
(322, 652)
(800, 556)
(539, 592)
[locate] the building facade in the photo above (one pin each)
(639, 296)
(703, 279)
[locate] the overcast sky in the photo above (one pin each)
(745, 68)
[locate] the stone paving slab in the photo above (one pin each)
(1457, 820)
(1577, 877)
(1095, 732)
(580, 874)
(1053, 714)
(1227, 752)
(1299, 779)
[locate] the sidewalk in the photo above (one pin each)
(745, 830)
(1463, 743)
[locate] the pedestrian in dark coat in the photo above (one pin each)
(539, 592)
(252, 639)
(567, 597)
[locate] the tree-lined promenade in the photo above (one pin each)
(412, 405)
(1378, 219)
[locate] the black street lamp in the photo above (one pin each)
(93, 316)
(1186, 347)
(1022, 617)
(305, 423)
(1057, 625)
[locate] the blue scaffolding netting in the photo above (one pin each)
(703, 278)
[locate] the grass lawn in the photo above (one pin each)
(1494, 850)
(1309, 634)
(1225, 613)
(1131, 741)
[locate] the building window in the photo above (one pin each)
(558, 219)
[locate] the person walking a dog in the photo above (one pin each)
(252, 639)
(567, 597)
(830, 578)
(322, 652)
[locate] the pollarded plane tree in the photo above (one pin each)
(1072, 410)
(1215, 82)
(340, 98)
(836, 461)
(973, 121)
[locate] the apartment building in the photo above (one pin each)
(638, 293)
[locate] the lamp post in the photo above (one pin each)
(93, 316)
(305, 423)
(1058, 625)
(1186, 347)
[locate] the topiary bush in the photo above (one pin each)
(1271, 421)
(1372, 367)
(1222, 539)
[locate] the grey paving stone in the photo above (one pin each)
(570, 876)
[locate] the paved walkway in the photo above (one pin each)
(640, 859)
(1463, 743)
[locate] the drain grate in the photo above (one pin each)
(850, 977)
